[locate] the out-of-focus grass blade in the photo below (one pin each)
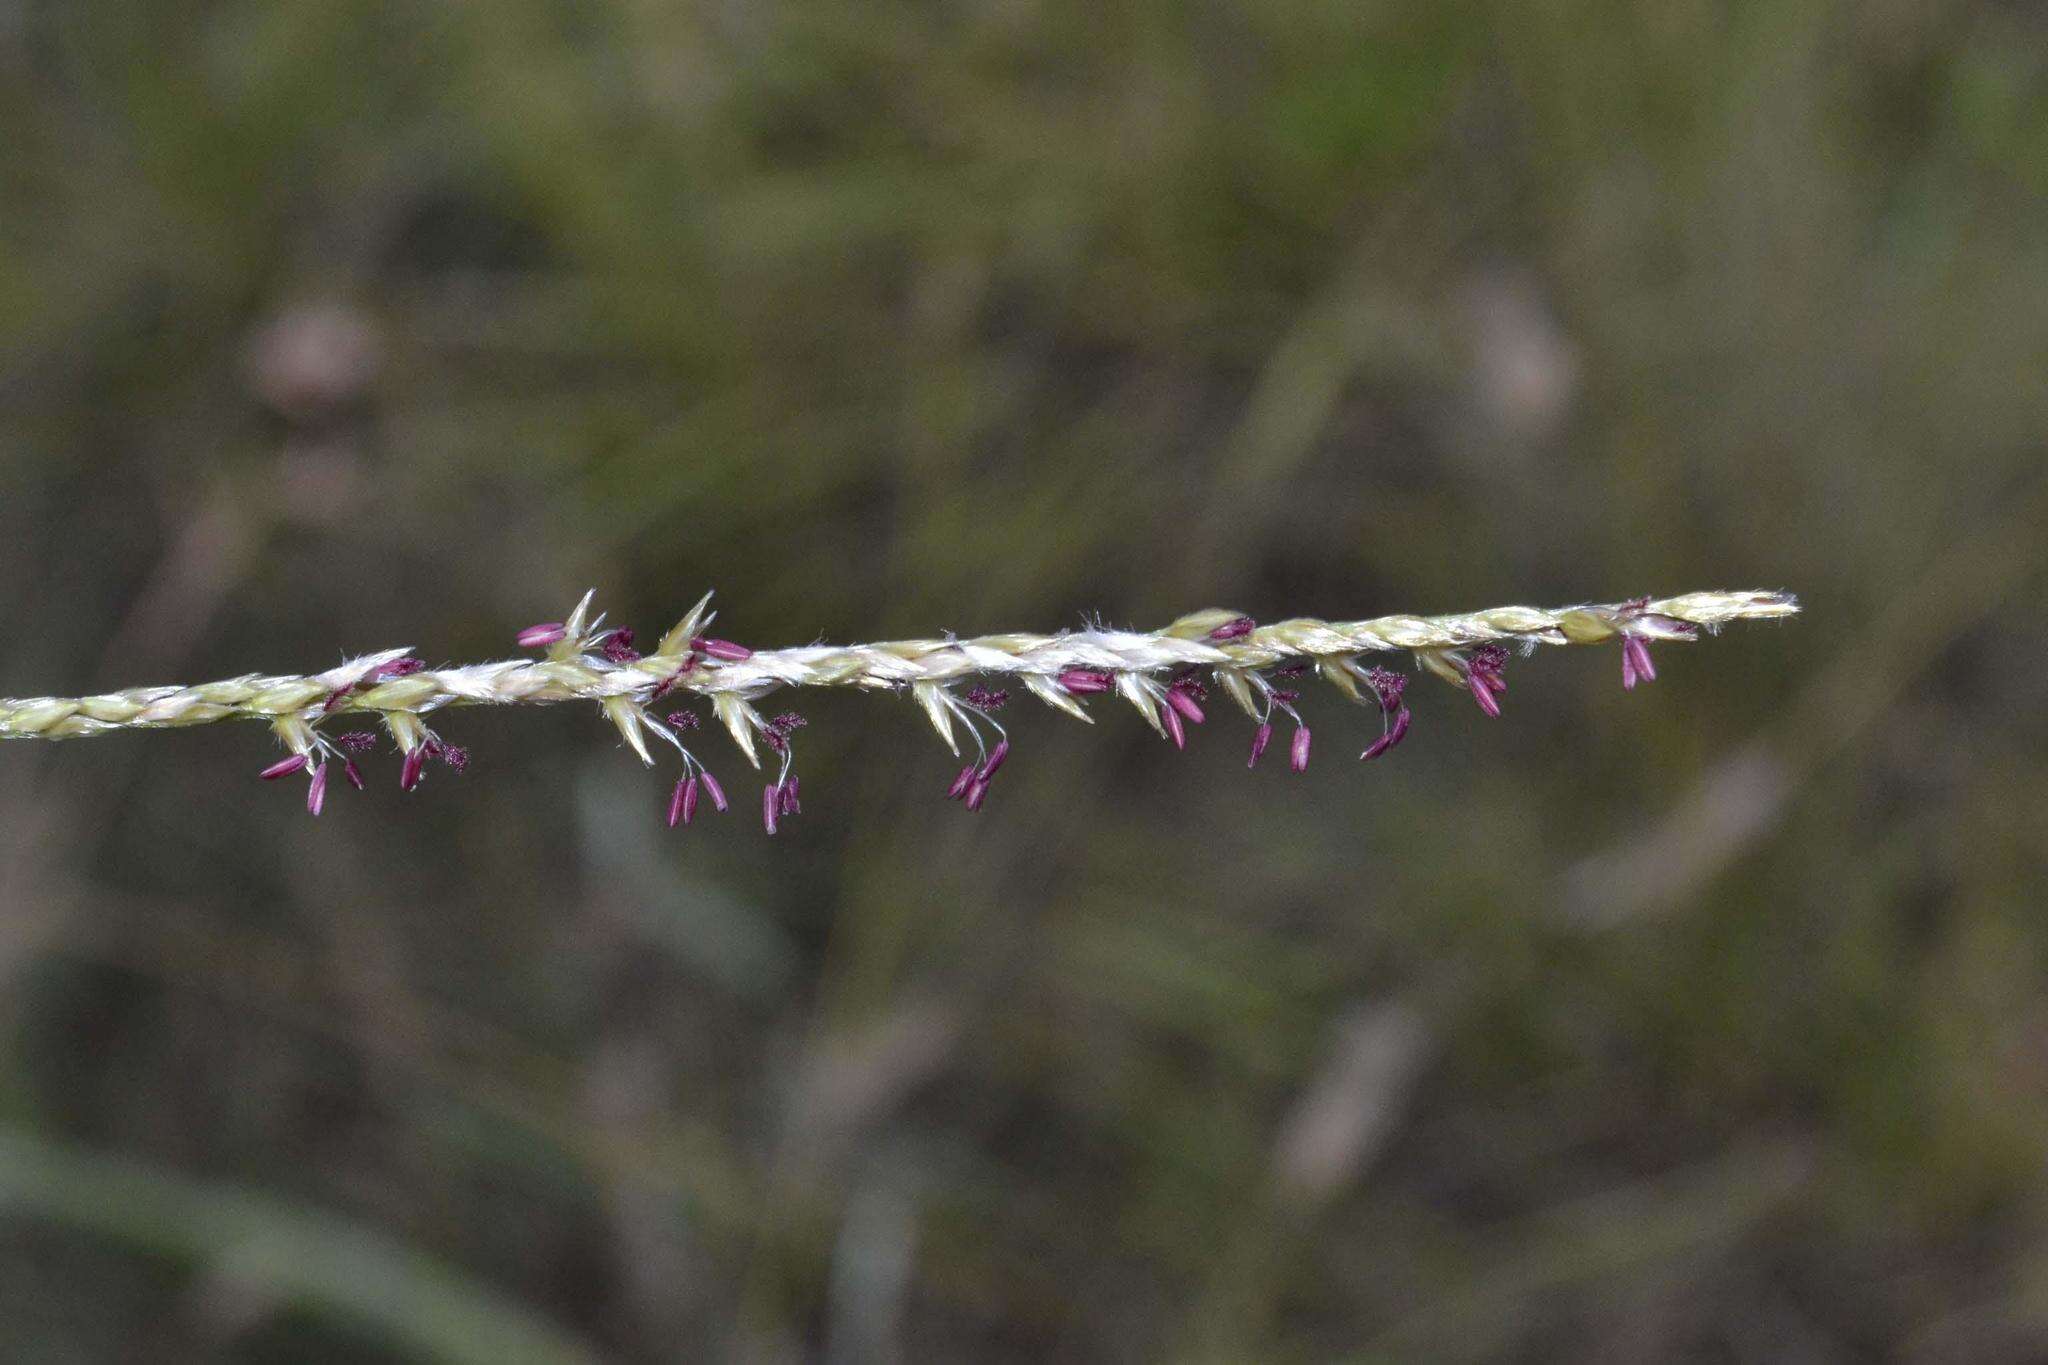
(302, 1258)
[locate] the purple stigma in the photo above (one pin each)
(685, 720)
(284, 767)
(1260, 739)
(721, 649)
(618, 647)
(1297, 753)
(983, 699)
(355, 741)
(547, 633)
(1386, 685)
(668, 684)
(1234, 629)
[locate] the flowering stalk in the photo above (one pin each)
(1159, 673)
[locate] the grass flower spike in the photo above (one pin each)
(1164, 675)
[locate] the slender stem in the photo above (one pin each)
(570, 672)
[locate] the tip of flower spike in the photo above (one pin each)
(546, 633)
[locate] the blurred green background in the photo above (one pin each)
(1705, 1022)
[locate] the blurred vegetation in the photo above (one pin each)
(1710, 1021)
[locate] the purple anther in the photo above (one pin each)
(1261, 737)
(1182, 700)
(1390, 738)
(547, 633)
(721, 649)
(1635, 662)
(1175, 731)
(284, 767)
